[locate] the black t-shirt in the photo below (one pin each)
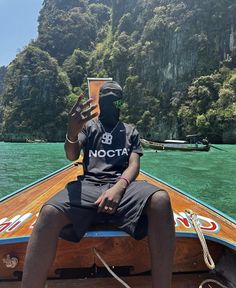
(106, 155)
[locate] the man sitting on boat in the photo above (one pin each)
(107, 192)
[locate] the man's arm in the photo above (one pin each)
(131, 172)
(79, 115)
(72, 150)
(109, 200)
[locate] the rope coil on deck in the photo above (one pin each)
(206, 254)
(109, 269)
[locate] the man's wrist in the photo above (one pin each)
(121, 184)
(71, 140)
(124, 179)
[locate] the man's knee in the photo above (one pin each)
(159, 202)
(51, 217)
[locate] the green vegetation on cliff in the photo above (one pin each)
(210, 106)
(175, 58)
(35, 93)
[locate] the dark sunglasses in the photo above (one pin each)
(118, 103)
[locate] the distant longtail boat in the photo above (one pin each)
(177, 145)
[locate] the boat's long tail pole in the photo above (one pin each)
(218, 148)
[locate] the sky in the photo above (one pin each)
(18, 26)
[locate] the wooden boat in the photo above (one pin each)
(19, 211)
(35, 141)
(179, 145)
(76, 264)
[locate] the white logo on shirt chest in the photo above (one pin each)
(108, 153)
(107, 138)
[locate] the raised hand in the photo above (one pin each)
(80, 113)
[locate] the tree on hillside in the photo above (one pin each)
(210, 106)
(75, 67)
(101, 13)
(65, 26)
(35, 96)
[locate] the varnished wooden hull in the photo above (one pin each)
(19, 212)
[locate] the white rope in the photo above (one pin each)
(207, 257)
(211, 281)
(206, 254)
(109, 269)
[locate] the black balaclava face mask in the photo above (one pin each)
(109, 94)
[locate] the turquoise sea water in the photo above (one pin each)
(209, 176)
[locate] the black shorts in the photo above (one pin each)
(77, 201)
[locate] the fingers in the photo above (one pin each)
(106, 206)
(87, 112)
(83, 111)
(81, 107)
(101, 205)
(87, 103)
(77, 104)
(111, 207)
(98, 200)
(92, 116)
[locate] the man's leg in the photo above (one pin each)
(161, 234)
(42, 246)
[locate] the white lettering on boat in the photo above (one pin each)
(208, 224)
(180, 218)
(108, 153)
(11, 225)
(32, 225)
(205, 223)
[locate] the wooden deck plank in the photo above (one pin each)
(179, 281)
